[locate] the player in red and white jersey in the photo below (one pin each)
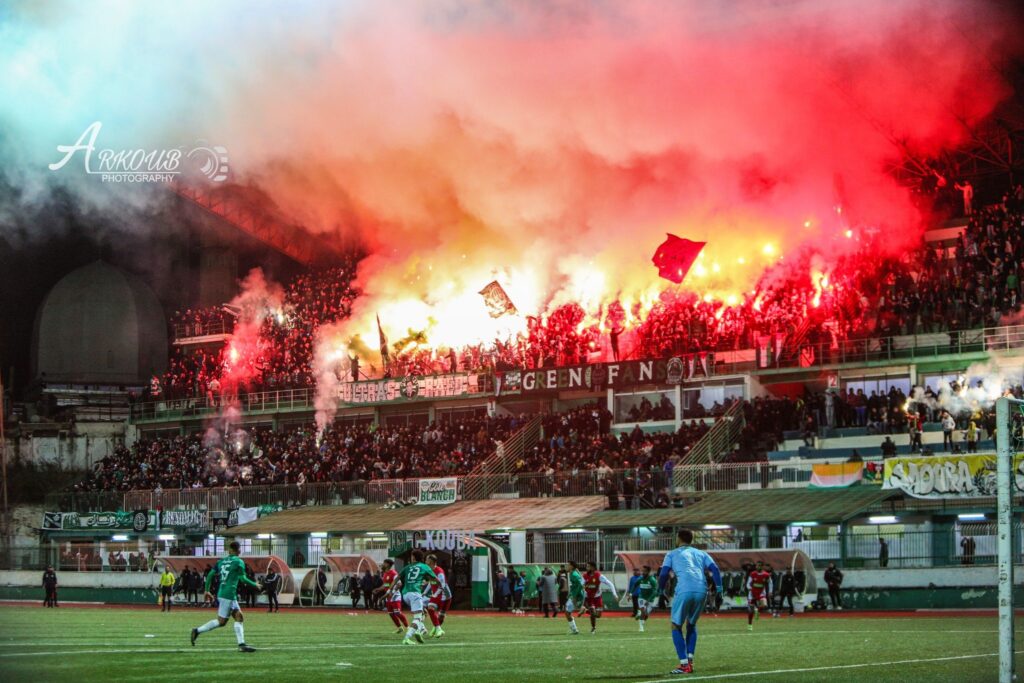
(759, 588)
(593, 584)
(440, 597)
(392, 595)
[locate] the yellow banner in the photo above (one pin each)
(949, 476)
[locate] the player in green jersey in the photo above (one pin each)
(575, 595)
(414, 581)
(648, 587)
(230, 570)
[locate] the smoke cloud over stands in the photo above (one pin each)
(547, 146)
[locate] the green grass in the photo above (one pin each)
(76, 644)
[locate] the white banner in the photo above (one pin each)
(438, 491)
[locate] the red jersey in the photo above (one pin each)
(759, 582)
(592, 584)
(388, 578)
(438, 588)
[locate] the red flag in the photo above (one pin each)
(675, 256)
(384, 355)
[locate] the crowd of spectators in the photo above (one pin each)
(969, 282)
(297, 456)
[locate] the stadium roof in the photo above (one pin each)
(475, 515)
(767, 506)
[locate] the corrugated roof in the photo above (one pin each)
(765, 506)
(332, 518)
(474, 515)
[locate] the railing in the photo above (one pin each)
(483, 480)
(204, 329)
(198, 406)
(646, 484)
(856, 548)
(904, 349)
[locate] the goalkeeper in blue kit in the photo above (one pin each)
(689, 565)
(230, 570)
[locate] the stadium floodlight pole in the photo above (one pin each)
(3, 472)
(1004, 509)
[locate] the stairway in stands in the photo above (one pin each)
(713, 446)
(488, 476)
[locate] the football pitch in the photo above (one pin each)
(131, 644)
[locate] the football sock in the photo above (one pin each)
(572, 624)
(394, 618)
(440, 617)
(209, 626)
(401, 618)
(239, 632)
(750, 616)
(691, 639)
(679, 640)
(433, 617)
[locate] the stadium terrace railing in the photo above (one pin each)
(205, 329)
(903, 348)
(647, 483)
(481, 482)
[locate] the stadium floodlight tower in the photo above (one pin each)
(1004, 507)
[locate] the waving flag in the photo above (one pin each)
(384, 355)
(675, 256)
(497, 300)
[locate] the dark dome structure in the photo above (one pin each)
(99, 325)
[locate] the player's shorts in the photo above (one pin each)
(646, 606)
(225, 607)
(439, 602)
(687, 607)
(415, 601)
(757, 599)
(394, 605)
(596, 603)
(570, 606)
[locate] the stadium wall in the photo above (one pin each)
(77, 451)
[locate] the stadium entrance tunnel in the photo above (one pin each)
(260, 565)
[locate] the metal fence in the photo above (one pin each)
(636, 488)
(854, 548)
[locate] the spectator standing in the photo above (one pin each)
(298, 559)
(967, 550)
(366, 586)
(50, 587)
(548, 592)
(321, 586)
(166, 589)
(834, 579)
(518, 588)
(353, 591)
(787, 589)
(883, 553)
(634, 591)
(271, 586)
(948, 425)
(503, 591)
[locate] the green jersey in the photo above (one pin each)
(231, 570)
(416, 577)
(648, 587)
(576, 587)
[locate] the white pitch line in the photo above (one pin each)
(539, 641)
(836, 667)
